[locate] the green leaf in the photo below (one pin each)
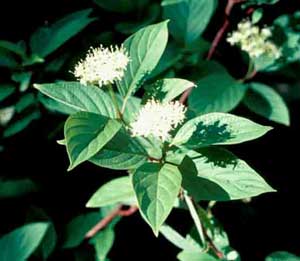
(264, 101)
(77, 228)
(195, 256)
(167, 89)
(145, 49)
(8, 60)
(123, 152)
(189, 18)
(112, 159)
(156, 188)
(216, 90)
(23, 78)
(16, 188)
(216, 174)
(257, 15)
(282, 256)
(48, 243)
(24, 102)
(170, 57)
(47, 39)
(17, 48)
(86, 134)
(79, 97)
(19, 125)
(218, 129)
(116, 191)
(55, 106)
(285, 34)
(5, 91)
(103, 242)
(121, 6)
(174, 237)
(19, 244)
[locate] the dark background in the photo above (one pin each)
(269, 223)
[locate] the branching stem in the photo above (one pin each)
(118, 212)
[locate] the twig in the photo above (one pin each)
(222, 30)
(109, 218)
(185, 95)
(128, 212)
(213, 247)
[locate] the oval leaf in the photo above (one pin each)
(216, 174)
(87, 133)
(264, 101)
(77, 228)
(218, 128)
(122, 152)
(216, 91)
(117, 191)
(79, 97)
(189, 18)
(19, 244)
(156, 188)
(47, 39)
(145, 49)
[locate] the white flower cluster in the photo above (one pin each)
(102, 66)
(254, 40)
(158, 119)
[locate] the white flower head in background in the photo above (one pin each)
(158, 119)
(102, 66)
(253, 40)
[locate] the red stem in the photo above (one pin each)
(109, 218)
(185, 95)
(222, 30)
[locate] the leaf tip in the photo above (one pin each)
(37, 86)
(61, 142)
(267, 129)
(71, 167)
(156, 232)
(88, 204)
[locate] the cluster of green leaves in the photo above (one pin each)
(188, 21)
(19, 103)
(158, 172)
(192, 164)
(40, 239)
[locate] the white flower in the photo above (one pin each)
(254, 40)
(158, 119)
(102, 66)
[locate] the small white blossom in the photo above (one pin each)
(254, 40)
(102, 66)
(158, 119)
